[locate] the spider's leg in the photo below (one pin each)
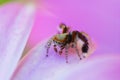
(60, 52)
(66, 52)
(77, 51)
(66, 55)
(55, 49)
(48, 45)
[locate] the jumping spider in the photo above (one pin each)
(66, 39)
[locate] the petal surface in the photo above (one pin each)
(36, 66)
(16, 21)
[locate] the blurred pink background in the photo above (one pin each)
(99, 18)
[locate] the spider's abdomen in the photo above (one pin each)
(82, 37)
(85, 48)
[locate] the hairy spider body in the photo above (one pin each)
(67, 39)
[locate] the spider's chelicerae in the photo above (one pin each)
(65, 39)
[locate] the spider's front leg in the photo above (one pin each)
(48, 45)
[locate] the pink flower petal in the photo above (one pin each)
(36, 66)
(105, 67)
(15, 25)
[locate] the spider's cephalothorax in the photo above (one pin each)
(66, 39)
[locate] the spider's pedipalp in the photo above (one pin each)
(55, 49)
(60, 52)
